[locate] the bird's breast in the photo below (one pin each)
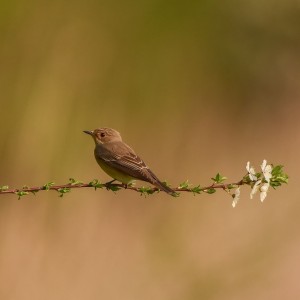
(113, 172)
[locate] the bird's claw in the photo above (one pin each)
(109, 183)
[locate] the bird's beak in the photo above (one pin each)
(90, 132)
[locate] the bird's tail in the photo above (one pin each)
(165, 188)
(155, 181)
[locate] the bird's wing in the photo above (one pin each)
(121, 157)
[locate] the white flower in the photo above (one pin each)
(236, 197)
(267, 170)
(263, 191)
(251, 172)
(255, 188)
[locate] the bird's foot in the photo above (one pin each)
(109, 183)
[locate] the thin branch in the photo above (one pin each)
(270, 176)
(114, 187)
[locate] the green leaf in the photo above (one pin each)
(231, 186)
(63, 191)
(165, 183)
(176, 194)
(21, 194)
(3, 188)
(74, 181)
(113, 187)
(196, 190)
(219, 178)
(278, 176)
(96, 184)
(146, 190)
(47, 185)
(184, 185)
(210, 191)
(277, 170)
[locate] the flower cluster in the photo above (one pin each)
(258, 181)
(262, 184)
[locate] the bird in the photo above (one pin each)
(120, 162)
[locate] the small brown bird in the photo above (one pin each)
(120, 162)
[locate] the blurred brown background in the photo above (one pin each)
(196, 88)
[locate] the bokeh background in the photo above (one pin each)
(196, 88)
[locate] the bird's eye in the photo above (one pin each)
(102, 134)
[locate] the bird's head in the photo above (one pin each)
(104, 135)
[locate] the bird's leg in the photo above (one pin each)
(125, 185)
(109, 183)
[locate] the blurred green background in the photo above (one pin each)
(196, 88)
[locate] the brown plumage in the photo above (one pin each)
(119, 161)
